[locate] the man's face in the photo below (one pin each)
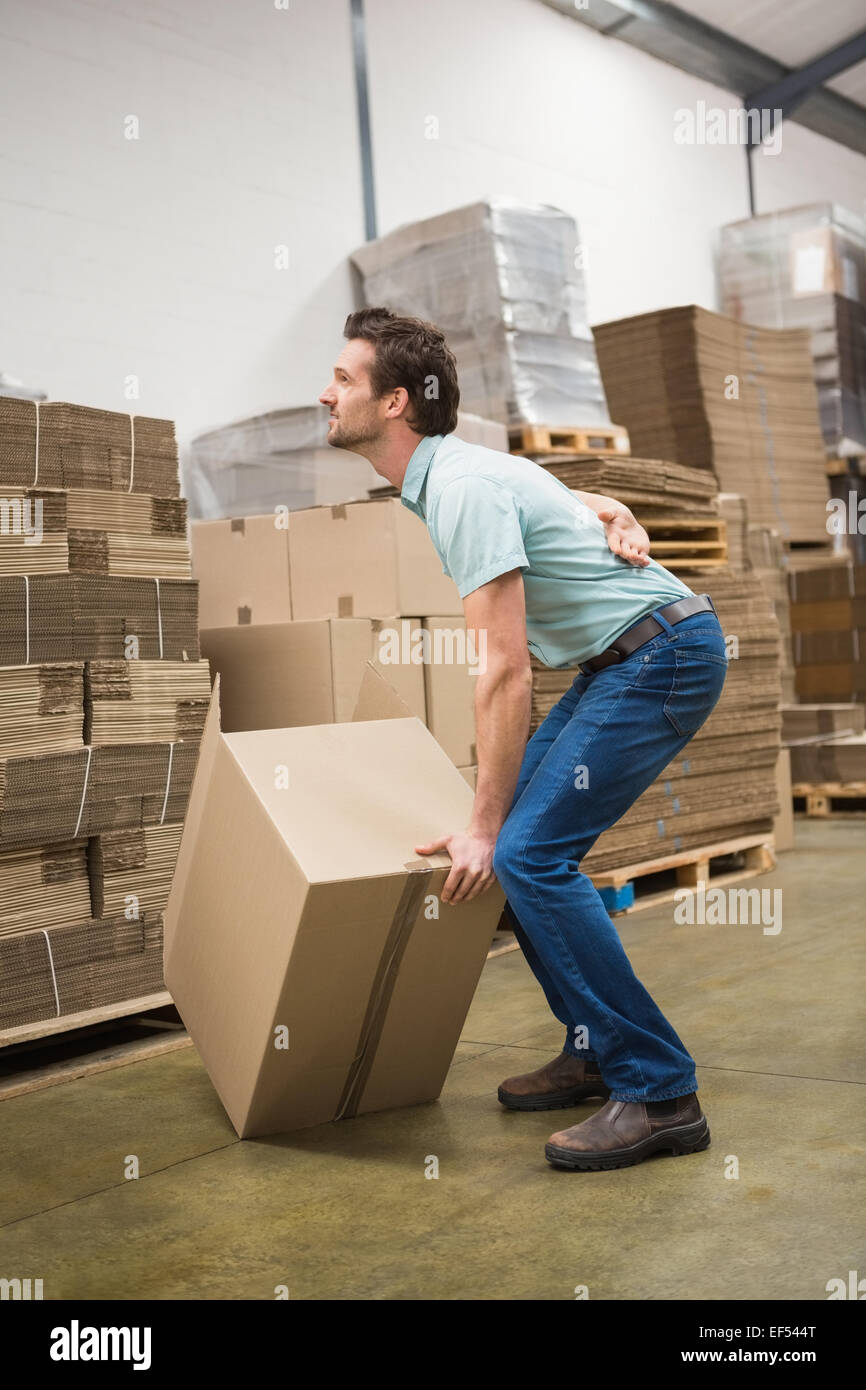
(356, 417)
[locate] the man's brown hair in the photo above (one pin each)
(412, 354)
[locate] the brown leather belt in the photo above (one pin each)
(646, 629)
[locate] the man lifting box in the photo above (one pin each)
(567, 576)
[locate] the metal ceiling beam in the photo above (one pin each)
(671, 35)
(359, 50)
(787, 94)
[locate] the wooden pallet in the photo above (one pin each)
(853, 467)
(683, 543)
(38, 1055)
(565, 439)
(829, 800)
(633, 887)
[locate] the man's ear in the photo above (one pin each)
(398, 403)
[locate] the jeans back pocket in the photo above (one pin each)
(697, 684)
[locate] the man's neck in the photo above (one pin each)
(390, 458)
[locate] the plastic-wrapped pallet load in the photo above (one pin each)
(503, 282)
(805, 267)
(278, 459)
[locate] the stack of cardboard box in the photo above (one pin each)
(102, 698)
(828, 621)
(295, 604)
(708, 392)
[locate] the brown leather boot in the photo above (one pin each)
(625, 1132)
(564, 1081)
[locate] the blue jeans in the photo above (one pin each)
(602, 745)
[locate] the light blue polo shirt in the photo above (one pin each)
(488, 513)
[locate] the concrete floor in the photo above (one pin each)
(776, 1024)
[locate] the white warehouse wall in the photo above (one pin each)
(154, 258)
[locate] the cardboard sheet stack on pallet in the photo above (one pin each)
(805, 267)
(707, 392)
(827, 745)
(103, 698)
(504, 283)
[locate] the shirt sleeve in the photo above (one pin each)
(477, 531)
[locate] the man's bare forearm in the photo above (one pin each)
(597, 503)
(503, 703)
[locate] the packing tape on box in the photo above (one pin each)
(419, 872)
(345, 606)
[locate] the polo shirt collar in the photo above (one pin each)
(418, 466)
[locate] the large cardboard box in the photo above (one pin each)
(833, 581)
(450, 689)
(280, 675)
(306, 946)
(832, 682)
(242, 567)
(366, 560)
(838, 761)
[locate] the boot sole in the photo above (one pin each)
(552, 1100)
(687, 1139)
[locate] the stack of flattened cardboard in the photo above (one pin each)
(504, 284)
(645, 485)
(95, 601)
(734, 511)
(145, 701)
(92, 532)
(133, 867)
(805, 267)
(769, 564)
(41, 709)
(44, 886)
(33, 532)
(708, 392)
(62, 796)
(52, 444)
(75, 968)
(828, 618)
(65, 617)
